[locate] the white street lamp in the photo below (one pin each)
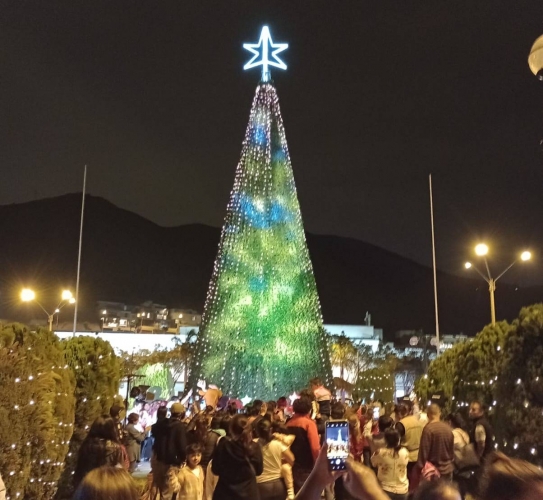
(482, 250)
(28, 295)
(525, 256)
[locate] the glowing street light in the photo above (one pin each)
(28, 295)
(482, 250)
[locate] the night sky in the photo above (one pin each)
(152, 96)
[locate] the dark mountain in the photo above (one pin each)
(130, 259)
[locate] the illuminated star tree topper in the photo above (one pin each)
(262, 56)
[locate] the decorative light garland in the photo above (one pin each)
(31, 402)
(262, 333)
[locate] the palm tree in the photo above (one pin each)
(343, 353)
(180, 356)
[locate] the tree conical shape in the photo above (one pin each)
(262, 334)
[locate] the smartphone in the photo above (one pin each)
(337, 439)
(376, 413)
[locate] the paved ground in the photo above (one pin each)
(143, 469)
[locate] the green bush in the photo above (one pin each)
(36, 410)
(503, 368)
(467, 371)
(519, 396)
(97, 374)
(376, 384)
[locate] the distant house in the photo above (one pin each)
(148, 317)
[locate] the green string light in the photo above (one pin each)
(262, 333)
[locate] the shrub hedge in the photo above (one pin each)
(97, 373)
(36, 410)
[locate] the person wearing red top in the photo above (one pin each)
(306, 446)
(358, 441)
(365, 415)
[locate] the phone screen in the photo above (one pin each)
(337, 439)
(376, 413)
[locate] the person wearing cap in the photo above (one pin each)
(169, 451)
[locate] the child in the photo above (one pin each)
(280, 432)
(191, 477)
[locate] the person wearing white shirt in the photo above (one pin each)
(270, 483)
(391, 463)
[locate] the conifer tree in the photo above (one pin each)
(262, 333)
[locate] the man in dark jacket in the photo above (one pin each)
(481, 433)
(169, 449)
(212, 438)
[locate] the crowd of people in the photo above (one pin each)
(276, 451)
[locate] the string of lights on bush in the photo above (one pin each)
(505, 383)
(61, 442)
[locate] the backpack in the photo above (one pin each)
(467, 457)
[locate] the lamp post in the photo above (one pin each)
(28, 295)
(141, 316)
(104, 312)
(482, 250)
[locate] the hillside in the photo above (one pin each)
(130, 259)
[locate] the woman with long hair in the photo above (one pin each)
(100, 447)
(391, 463)
(377, 441)
(225, 423)
(465, 456)
(108, 482)
(197, 429)
(461, 437)
(237, 461)
(271, 485)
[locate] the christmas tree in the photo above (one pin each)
(262, 334)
